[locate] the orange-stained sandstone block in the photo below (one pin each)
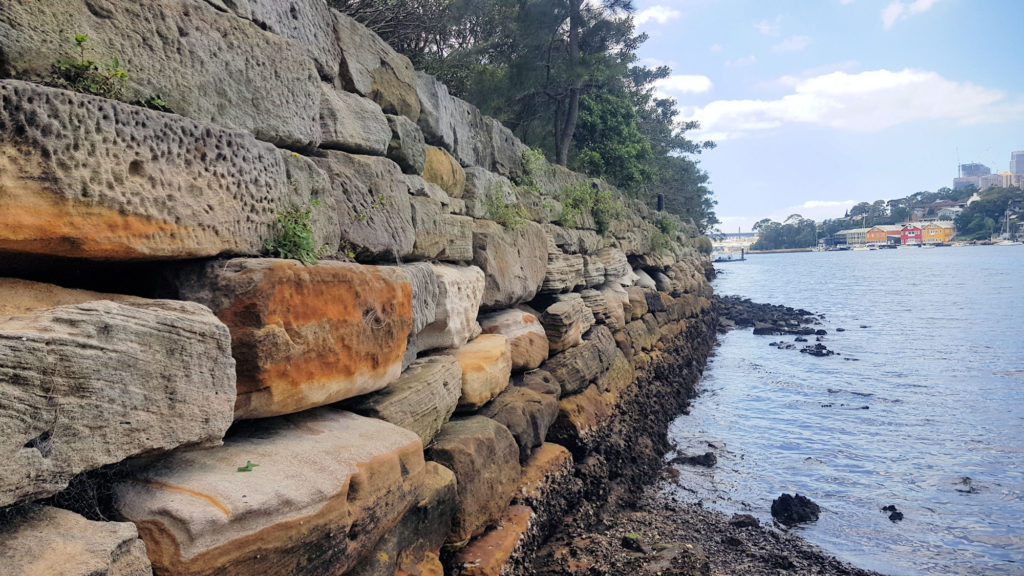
(549, 461)
(321, 489)
(488, 554)
(305, 336)
(486, 369)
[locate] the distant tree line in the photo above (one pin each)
(795, 232)
(563, 75)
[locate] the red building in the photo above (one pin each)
(910, 235)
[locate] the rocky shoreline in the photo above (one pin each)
(650, 531)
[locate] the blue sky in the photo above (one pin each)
(818, 104)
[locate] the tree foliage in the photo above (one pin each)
(795, 232)
(563, 75)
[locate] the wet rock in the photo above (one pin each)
(637, 302)
(707, 460)
(894, 514)
(819, 350)
(306, 336)
(791, 510)
(634, 543)
(492, 552)
(577, 367)
(800, 339)
(527, 415)
(485, 459)
(744, 521)
(966, 485)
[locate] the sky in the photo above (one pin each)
(816, 105)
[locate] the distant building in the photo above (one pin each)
(856, 236)
(1001, 180)
(910, 235)
(937, 232)
(965, 182)
(950, 212)
(974, 169)
(1017, 162)
(886, 234)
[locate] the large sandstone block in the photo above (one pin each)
(637, 302)
(422, 399)
(413, 547)
(352, 123)
(577, 367)
(373, 69)
(206, 64)
(481, 186)
(582, 416)
(527, 415)
(86, 177)
(46, 541)
(484, 457)
(616, 265)
(574, 240)
(549, 486)
(406, 146)
(593, 271)
(526, 336)
(308, 493)
(441, 169)
(90, 384)
(514, 262)
(460, 289)
(440, 235)
(486, 369)
(372, 197)
(565, 322)
(565, 272)
(305, 336)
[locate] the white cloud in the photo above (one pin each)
(715, 48)
(792, 44)
(816, 210)
(897, 10)
(740, 62)
(865, 102)
(846, 2)
(658, 13)
(770, 27)
(682, 84)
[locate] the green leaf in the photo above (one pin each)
(248, 467)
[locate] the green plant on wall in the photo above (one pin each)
(577, 200)
(511, 215)
(293, 238)
(87, 76)
(534, 165)
(606, 210)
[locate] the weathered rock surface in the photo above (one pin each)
(422, 399)
(574, 241)
(481, 186)
(373, 69)
(492, 552)
(460, 289)
(425, 293)
(373, 210)
(514, 262)
(598, 305)
(305, 336)
(91, 384)
(526, 337)
(440, 235)
(637, 302)
(540, 381)
(406, 145)
(486, 369)
(549, 486)
(615, 263)
(593, 271)
(643, 333)
(576, 367)
(565, 322)
(440, 168)
(46, 541)
(223, 70)
(80, 177)
(619, 307)
(484, 456)
(321, 488)
(644, 280)
(527, 415)
(352, 124)
(565, 272)
(413, 547)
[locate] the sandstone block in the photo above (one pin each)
(224, 70)
(490, 554)
(644, 280)
(514, 262)
(598, 305)
(422, 399)
(305, 493)
(41, 540)
(619, 308)
(526, 336)
(574, 240)
(549, 486)
(565, 272)
(80, 177)
(425, 293)
(565, 322)
(406, 146)
(577, 367)
(373, 209)
(527, 415)
(371, 68)
(615, 263)
(352, 123)
(486, 369)
(440, 168)
(305, 336)
(413, 547)
(440, 235)
(637, 302)
(91, 384)
(485, 459)
(460, 289)
(481, 185)
(643, 335)
(540, 381)
(593, 271)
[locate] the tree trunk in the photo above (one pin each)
(567, 126)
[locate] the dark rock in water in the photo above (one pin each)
(865, 326)
(821, 333)
(894, 514)
(773, 343)
(634, 543)
(707, 460)
(744, 521)
(840, 329)
(967, 486)
(763, 329)
(800, 339)
(790, 510)
(819, 350)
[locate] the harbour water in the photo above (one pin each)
(923, 408)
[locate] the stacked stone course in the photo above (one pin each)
(391, 409)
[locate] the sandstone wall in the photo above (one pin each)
(431, 396)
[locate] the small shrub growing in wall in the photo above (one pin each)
(293, 238)
(509, 214)
(606, 210)
(534, 165)
(87, 76)
(577, 199)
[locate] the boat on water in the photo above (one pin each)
(1008, 243)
